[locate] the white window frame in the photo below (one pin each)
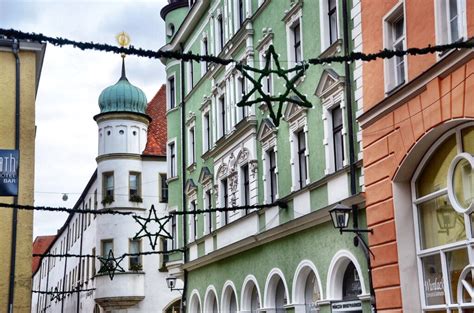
(240, 87)
(204, 47)
(172, 166)
(174, 240)
(262, 61)
(189, 75)
(208, 215)
(242, 186)
(325, 27)
(390, 73)
(206, 130)
(221, 118)
(442, 23)
(293, 21)
(191, 140)
(220, 32)
(193, 220)
(168, 92)
(267, 180)
(295, 161)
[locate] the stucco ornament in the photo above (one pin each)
(465, 285)
(111, 264)
(466, 184)
(152, 221)
(289, 83)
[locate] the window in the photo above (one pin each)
(445, 234)
(241, 12)
(225, 200)
(107, 246)
(240, 94)
(245, 179)
(192, 146)
(268, 82)
(271, 176)
(208, 201)
(450, 17)
(220, 32)
(194, 218)
(204, 51)
(174, 232)
(301, 159)
(172, 157)
(108, 185)
(338, 142)
(171, 93)
(190, 74)
(135, 261)
(163, 189)
(134, 185)
(395, 40)
(332, 21)
(296, 42)
(222, 117)
(207, 131)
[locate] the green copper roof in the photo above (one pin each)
(122, 97)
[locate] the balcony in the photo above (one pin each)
(124, 291)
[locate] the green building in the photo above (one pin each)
(286, 256)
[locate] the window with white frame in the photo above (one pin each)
(337, 137)
(108, 186)
(394, 33)
(172, 165)
(224, 193)
(294, 36)
(134, 185)
(208, 215)
(245, 186)
(450, 20)
(442, 191)
(268, 81)
(206, 134)
(191, 145)
(174, 232)
(221, 108)
(239, 95)
(193, 221)
(204, 51)
(301, 159)
(171, 93)
(272, 183)
(329, 24)
(135, 261)
(163, 188)
(240, 12)
(220, 34)
(190, 77)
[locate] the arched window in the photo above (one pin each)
(280, 297)
(210, 302)
(250, 296)
(254, 300)
(351, 287)
(229, 300)
(442, 193)
(276, 293)
(311, 293)
(195, 304)
(306, 288)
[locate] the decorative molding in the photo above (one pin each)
(329, 83)
(292, 13)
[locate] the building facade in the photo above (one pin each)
(20, 71)
(418, 138)
(285, 256)
(130, 176)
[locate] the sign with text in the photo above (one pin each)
(9, 162)
(347, 306)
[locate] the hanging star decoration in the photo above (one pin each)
(290, 77)
(145, 223)
(110, 265)
(56, 295)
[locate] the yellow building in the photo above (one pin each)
(28, 62)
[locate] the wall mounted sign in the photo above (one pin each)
(347, 306)
(9, 164)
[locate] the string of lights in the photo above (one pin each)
(72, 255)
(61, 292)
(131, 50)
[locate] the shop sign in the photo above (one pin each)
(9, 162)
(347, 306)
(434, 289)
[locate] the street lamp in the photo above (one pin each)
(340, 218)
(171, 283)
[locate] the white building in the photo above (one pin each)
(130, 176)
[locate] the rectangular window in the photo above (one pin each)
(332, 21)
(135, 261)
(192, 146)
(107, 246)
(194, 221)
(395, 33)
(268, 81)
(93, 270)
(297, 42)
(209, 214)
(222, 121)
(240, 94)
(272, 177)
(172, 157)
(190, 74)
(225, 199)
(108, 185)
(207, 131)
(338, 142)
(134, 182)
(220, 32)
(163, 189)
(449, 21)
(241, 12)
(245, 186)
(174, 232)
(172, 93)
(302, 166)
(204, 51)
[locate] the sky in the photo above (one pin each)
(71, 82)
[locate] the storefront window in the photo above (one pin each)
(445, 234)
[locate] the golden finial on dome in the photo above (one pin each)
(123, 40)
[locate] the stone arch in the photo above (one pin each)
(229, 302)
(195, 302)
(271, 288)
(302, 273)
(250, 283)
(211, 301)
(336, 271)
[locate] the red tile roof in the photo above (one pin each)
(156, 141)
(40, 245)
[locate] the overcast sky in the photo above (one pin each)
(71, 81)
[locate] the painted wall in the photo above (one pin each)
(29, 84)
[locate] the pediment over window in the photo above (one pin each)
(222, 170)
(293, 112)
(190, 187)
(266, 130)
(329, 82)
(205, 175)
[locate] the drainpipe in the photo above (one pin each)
(11, 291)
(352, 160)
(183, 184)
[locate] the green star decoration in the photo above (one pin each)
(110, 265)
(296, 97)
(152, 237)
(56, 295)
